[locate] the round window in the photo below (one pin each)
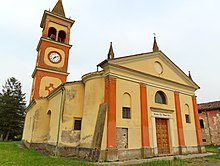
(158, 67)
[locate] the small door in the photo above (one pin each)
(162, 136)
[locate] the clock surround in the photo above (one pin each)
(54, 57)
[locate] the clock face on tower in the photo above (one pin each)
(54, 57)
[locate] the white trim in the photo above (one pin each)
(171, 133)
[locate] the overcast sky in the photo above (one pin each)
(188, 32)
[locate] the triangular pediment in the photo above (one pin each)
(156, 64)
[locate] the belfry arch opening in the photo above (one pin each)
(61, 36)
(52, 33)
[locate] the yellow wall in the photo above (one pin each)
(94, 96)
(156, 82)
(73, 109)
(146, 64)
(35, 130)
(169, 108)
(189, 128)
(133, 124)
(55, 106)
(169, 95)
(28, 125)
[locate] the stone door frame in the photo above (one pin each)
(164, 114)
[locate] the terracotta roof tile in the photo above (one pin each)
(209, 106)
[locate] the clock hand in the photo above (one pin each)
(55, 57)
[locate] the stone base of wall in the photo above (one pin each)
(88, 154)
(181, 150)
(147, 152)
(111, 154)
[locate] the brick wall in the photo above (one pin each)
(211, 130)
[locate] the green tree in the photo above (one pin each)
(12, 106)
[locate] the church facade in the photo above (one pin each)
(137, 106)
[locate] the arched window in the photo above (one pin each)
(61, 36)
(160, 98)
(52, 33)
(126, 108)
(187, 113)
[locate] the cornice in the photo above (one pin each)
(70, 21)
(157, 109)
(51, 41)
(148, 55)
(48, 70)
(92, 75)
(143, 77)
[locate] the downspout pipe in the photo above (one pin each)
(62, 104)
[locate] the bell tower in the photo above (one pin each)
(52, 52)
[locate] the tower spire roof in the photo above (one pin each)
(58, 8)
(111, 52)
(155, 46)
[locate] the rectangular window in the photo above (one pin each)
(203, 140)
(201, 123)
(126, 112)
(77, 124)
(187, 118)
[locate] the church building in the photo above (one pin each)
(136, 106)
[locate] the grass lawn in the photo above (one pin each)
(11, 154)
(209, 159)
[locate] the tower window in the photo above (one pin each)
(61, 36)
(77, 124)
(52, 33)
(201, 123)
(160, 98)
(126, 112)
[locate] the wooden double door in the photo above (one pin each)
(162, 136)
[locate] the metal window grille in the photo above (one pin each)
(126, 112)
